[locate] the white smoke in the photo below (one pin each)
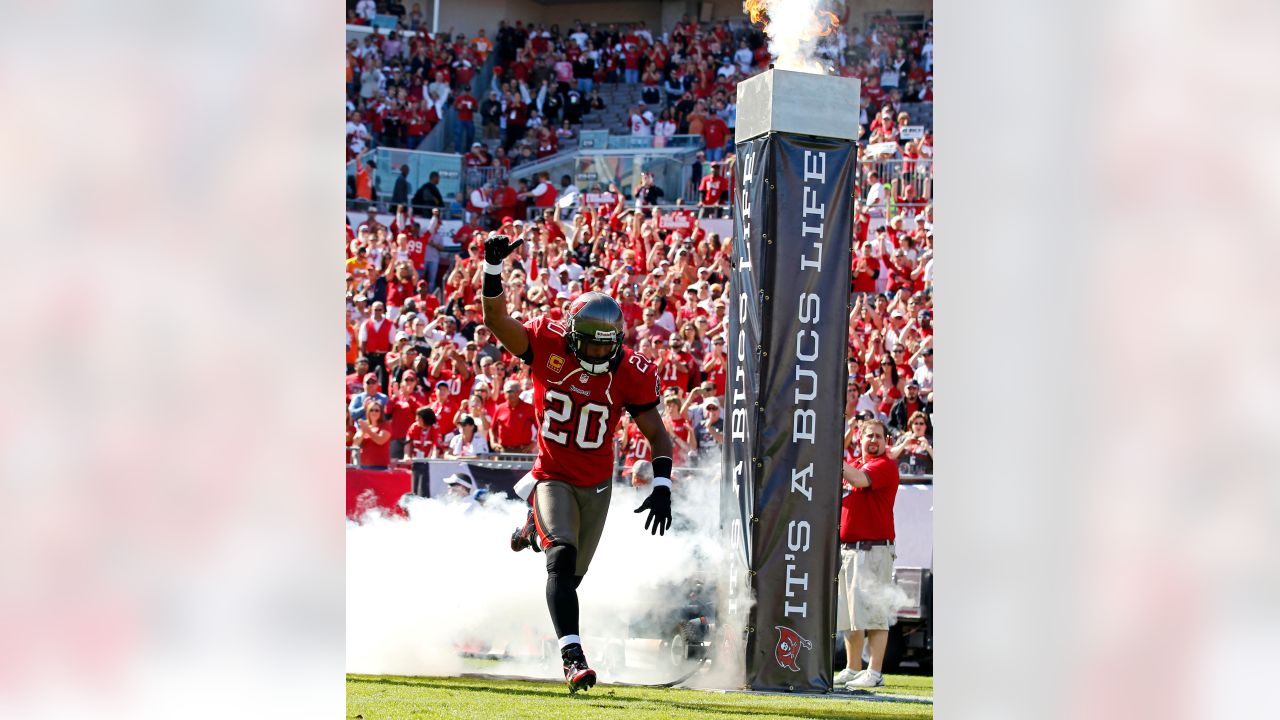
(422, 591)
(793, 30)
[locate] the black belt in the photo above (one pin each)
(865, 544)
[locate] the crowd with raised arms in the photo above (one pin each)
(416, 346)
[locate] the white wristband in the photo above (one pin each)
(662, 482)
(492, 269)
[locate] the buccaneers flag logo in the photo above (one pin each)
(788, 647)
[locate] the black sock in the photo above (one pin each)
(562, 594)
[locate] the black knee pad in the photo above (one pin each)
(562, 560)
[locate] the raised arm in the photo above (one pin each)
(433, 230)
(505, 328)
(896, 451)
(855, 477)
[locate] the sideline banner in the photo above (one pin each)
(788, 338)
(501, 479)
(368, 489)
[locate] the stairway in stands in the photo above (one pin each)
(618, 99)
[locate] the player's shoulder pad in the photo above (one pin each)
(635, 364)
(538, 328)
(640, 375)
(554, 327)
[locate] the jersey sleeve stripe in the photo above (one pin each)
(635, 410)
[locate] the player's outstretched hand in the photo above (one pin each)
(497, 247)
(659, 506)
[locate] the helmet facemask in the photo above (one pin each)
(588, 349)
(595, 331)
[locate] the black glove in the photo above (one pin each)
(659, 506)
(498, 247)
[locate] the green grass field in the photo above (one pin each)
(387, 697)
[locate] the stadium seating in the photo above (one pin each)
(890, 330)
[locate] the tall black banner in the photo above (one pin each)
(788, 343)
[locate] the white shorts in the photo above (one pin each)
(867, 576)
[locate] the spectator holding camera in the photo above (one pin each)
(477, 407)
(709, 432)
(467, 441)
(913, 449)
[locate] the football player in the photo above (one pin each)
(584, 379)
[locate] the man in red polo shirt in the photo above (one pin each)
(513, 423)
(465, 132)
(714, 134)
(711, 189)
(866, 556)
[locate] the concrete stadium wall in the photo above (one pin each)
(466, 16)
(732, 9)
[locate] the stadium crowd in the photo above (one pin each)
(545, 79)
(427, 379)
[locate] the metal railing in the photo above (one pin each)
(647, 142)
(524, 461)
(421, 165)
(899, 174)
(671, 167)
(908, 20)
(701, 212)
(474, 177)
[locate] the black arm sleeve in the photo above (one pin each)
(634, 410)
(492, 285)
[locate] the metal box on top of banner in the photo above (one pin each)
(797, 103)
(788, 344)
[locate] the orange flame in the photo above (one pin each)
(825, 22)
(755, 8)
(832, 22)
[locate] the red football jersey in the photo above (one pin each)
(637, 447)
(714, 371)
(679, 428)
(673, 376)
(403, 407)
(578, 412)
(423, 441)
(417, 250)
(711, 188)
